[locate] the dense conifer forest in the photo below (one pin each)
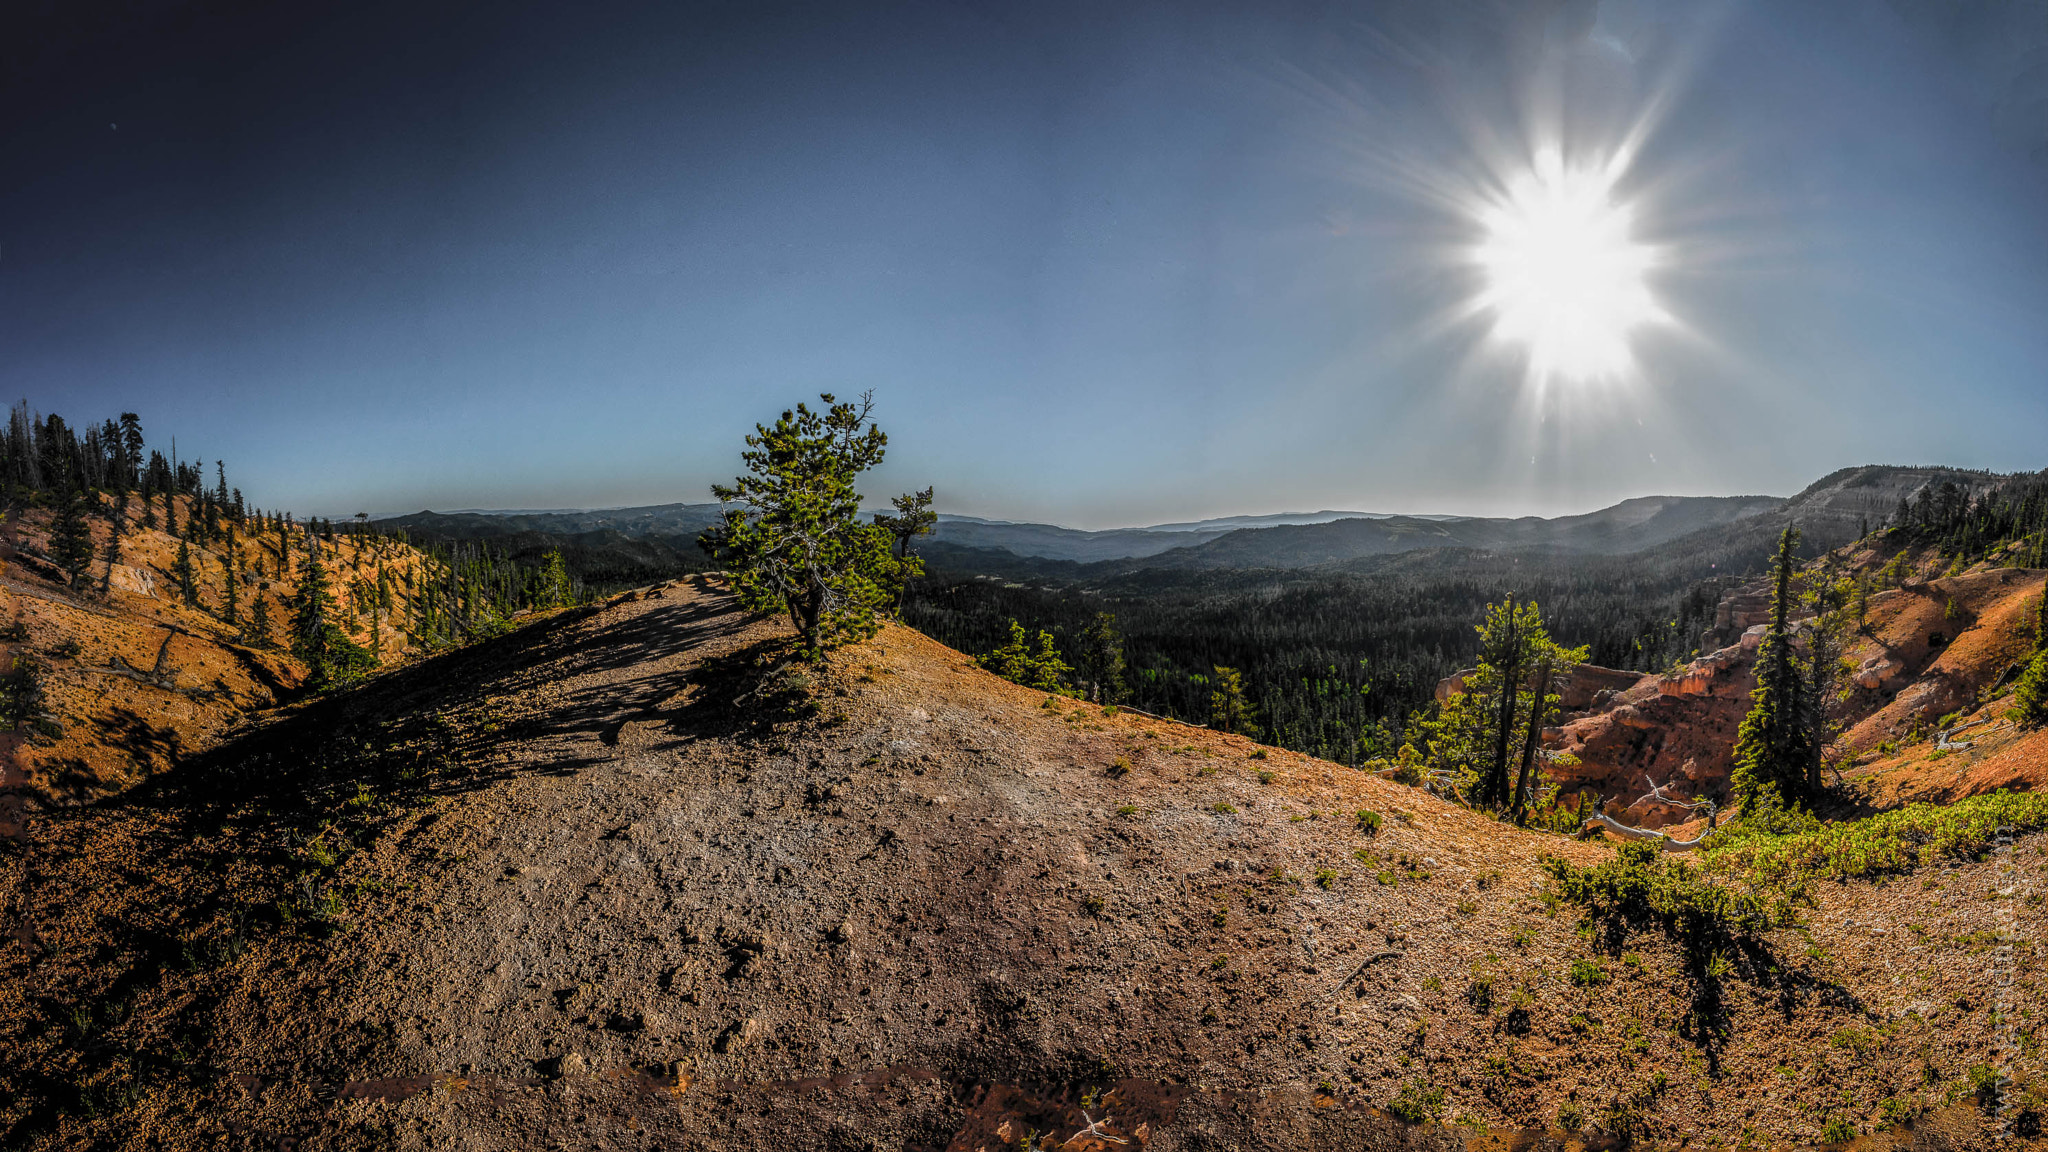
(1333, 662)
(1966, 525)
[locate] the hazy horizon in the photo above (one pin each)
(1101, 268)
(881, 506)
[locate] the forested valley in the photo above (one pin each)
(1336, 658)
(1332, 662)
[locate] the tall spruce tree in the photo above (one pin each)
(231, 606)
(1100, 660)
(131, 449)
(256, 633)
(312, 603)
(330, 656)
(188, 580)
(552, 587)
(1774, 745)
(70, 534)
(1230, 710)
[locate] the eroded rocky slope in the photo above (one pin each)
(133, 677)
(1940, 646)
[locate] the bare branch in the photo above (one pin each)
(1602, 820)
(1094, 1129)
(1944, 744)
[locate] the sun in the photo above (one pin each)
(1565, 278)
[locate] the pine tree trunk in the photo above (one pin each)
(1538, 697)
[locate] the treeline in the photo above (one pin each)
(602, 560)
(1333, 664)
(335, 582)
(1968, 526)
(43, 459)
(467, 592)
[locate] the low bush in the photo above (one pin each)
(1894, 841)
(1898, 1110)
(1642, 884)
(1587, 973)
(1416, 1102)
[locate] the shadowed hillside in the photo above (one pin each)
(131, 675)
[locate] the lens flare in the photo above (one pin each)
(1565, 279)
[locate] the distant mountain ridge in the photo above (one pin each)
(653, 540)
(647, 520)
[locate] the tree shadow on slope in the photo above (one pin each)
(436, 726)
(630, 678)
(131, 917)
(1718, 933)
(145, 743)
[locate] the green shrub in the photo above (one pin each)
(1861, 1041)
(1368, 822)
(1416, 1102)
(1984, 1082)
(1479, 993)
(1587, 973)
(1037, 667)
(1838, 1130)
(1894, 841)
(1641, 884)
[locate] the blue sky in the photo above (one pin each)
(1099, 264)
